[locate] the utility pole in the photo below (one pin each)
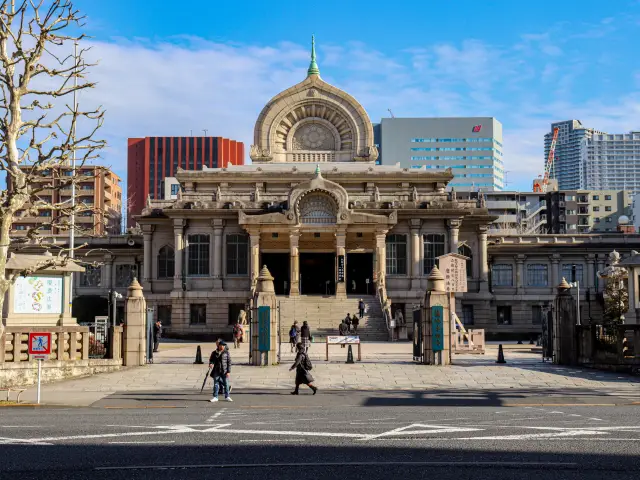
(205, 132)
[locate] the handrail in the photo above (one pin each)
(386, 309)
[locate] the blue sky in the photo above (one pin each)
(167, 68)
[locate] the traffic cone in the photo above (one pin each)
(350, 355)
(500, 355)
(198, 357)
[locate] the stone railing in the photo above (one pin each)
(616, 346)
(68, 343)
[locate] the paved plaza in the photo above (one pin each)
(384, 366)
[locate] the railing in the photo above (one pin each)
(386, 309)
(68, 343)
(609, 345)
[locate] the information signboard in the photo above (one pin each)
(264, 328)
(454, 268)
(343, 340)
(340, 268)
(38, 295)
(437, 328)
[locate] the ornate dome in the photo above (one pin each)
(313, 122)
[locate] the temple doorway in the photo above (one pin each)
(278, 265)
(317, 273)
(359, 269)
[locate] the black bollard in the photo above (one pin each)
(350, 355)
(519, 342)
(531, 342)
(198, 357)
(500, 355)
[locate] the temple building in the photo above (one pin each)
(316, 210)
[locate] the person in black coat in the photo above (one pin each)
(305, 335)
(220, 366)
(157, 333)
(303, 376)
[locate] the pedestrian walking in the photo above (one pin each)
(303, 368)
(294, 335)
(305, 336)
(342, 329)
(355, 321)
(238, 333)
(220, 365)
(353, 286)
(361, 308)
(157, 333)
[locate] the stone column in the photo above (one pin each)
(108, 272)
(454, 232)
(254, 255)
(436, 297)
(264, 296)
(600, 263)
(416, 263)
(146, 262)
(564, 326)
(520, 274)
(218, 225)
(135, 332)
(381, 257)
(294, 262)
(178, 241)
(484, 264)
(341, 245)
(65, 318)
(555, 269)
(591, 264)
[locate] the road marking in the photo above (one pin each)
(215, 415)
(430, 429)
(143, 442)
(514, 465)
(20, 441)
(282, 440)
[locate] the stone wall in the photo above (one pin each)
(26, 373)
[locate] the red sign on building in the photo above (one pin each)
(477, 128)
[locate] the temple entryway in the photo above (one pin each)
(278, 265)
(359, 270)
(317, 273)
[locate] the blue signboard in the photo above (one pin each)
(264, 328)
(437, 328)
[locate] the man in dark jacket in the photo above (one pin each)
(220, 365)
(157, 333)
(305, 335)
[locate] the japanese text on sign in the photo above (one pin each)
(264, 328)
(454, 269)
(437, 328)
(340, 268)
(38, 295)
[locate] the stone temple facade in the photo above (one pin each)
(315, 209)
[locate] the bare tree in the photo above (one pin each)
(41, 126)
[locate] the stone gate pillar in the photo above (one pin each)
(135, 332)
(264, 337)
(436, 334)
(564, 326)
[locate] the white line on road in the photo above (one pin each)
(213, 417)
(448, 464)
(430, 429)
(144, 442)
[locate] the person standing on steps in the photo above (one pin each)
(303, 368)
(305, 336)
(347, 321)
(157, 333)
(355, 321)
(294, 335)
(361, 308)
(238, 333)
(342, 330)
(220, 365)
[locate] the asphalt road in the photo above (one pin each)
(372, 435)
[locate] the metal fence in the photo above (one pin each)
(98, 337)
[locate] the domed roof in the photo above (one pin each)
(313, 121)
(623, 220)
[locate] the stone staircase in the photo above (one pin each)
(324, 314)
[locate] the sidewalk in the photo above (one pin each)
(384, 366)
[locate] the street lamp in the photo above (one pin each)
(114, 297)
(576, 284)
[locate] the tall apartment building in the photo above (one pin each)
(588, 159)
(569, 211)
(152, 159)
(471, 147)
(97, 187)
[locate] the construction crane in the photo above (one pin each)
(392, 115)
(540, 184)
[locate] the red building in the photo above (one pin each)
(151, 159)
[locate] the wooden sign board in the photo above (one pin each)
(454, 268)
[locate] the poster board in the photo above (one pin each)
(38, 295)
(454, 268)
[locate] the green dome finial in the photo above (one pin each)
(313, 66)
(317, 170)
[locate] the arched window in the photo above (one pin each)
(166, 262)
(466, 251)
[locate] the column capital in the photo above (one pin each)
(148, 229)
(521, 258)
(179, 223)
(483, 229)
(591, 257)
(217, 223)
(555, 258)
(415, 223)
(454, 223)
